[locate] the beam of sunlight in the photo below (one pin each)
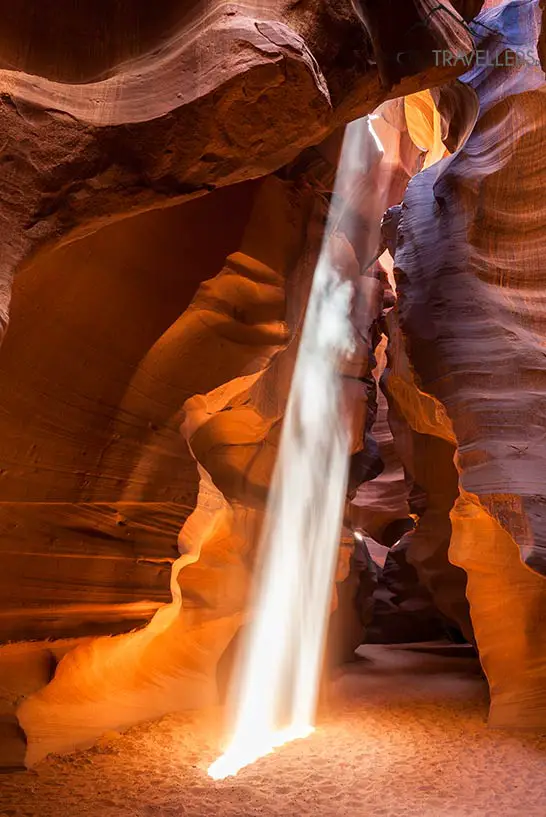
(281, 659)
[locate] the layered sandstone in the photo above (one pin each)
(96, 480)
(257, 90)
(250, 314)
(98, 133)
(422, 594)
(99, 478)
(470, 266)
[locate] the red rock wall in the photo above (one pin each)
(257, 90)
(76, 160)
(95, 480)
(470, 266)
(241, 313)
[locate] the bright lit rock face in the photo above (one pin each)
(470, 265)
(243, 318)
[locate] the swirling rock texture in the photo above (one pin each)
(75, 158)
(421, 595)
(256, 89)
(249, 311)
(98, 479)
(244, 312)
(470, 265)
(410, 604)
(425, 444)
(384, 500)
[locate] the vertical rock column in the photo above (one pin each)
(471, 261)
(508, 605)
(425, 443)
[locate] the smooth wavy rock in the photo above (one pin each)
(421, 436)
(154, 106)
(252, 313)
(220, 97)
(425, 444)
(96, 480)
(171, 664)
(383, 500)
(471, 271)
(223, 95)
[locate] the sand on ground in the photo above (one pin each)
(402, 733)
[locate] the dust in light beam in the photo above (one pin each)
(276, 691)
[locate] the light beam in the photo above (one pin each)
(281, 659)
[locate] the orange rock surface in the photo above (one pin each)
(164, 193)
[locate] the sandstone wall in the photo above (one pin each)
(470, 262)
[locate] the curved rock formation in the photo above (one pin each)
(77, 156)
(96, 481)
(423, 585)
(470, 262)
(380, 502)
(425, 444)
(242, 312)
(249, 311)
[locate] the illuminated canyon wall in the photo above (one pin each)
(470, 268)
(158, 275)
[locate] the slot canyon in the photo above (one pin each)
(272, 362)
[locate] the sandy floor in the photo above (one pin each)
(402, 735)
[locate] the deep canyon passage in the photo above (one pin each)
(273, 408)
